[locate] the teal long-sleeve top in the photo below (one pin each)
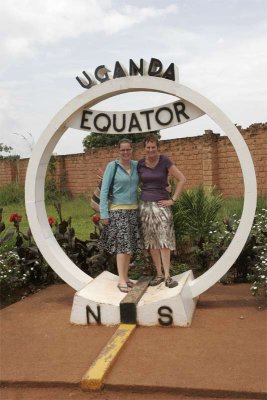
(124, 188)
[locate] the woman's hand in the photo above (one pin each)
(105, 221)
(165, 203)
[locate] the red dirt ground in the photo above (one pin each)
(222, 355)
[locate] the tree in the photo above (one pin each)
(5, 152)
(104, 140)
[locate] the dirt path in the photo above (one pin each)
(223, 353)
(76, 394)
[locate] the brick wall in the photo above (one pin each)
(8, 172)
(209, 158)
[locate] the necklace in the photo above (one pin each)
(153, 163)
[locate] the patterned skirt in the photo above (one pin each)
(122, 235)
(157, 226)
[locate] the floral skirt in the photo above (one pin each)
(122, 235)
(157, 226)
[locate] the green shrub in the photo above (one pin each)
(11, 193)
(251, 264)
(259, 272)
(11, 276)
(25, 267)
(22, 275)
(204, 230)
(195, 213)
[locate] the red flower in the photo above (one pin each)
(96, 219)
(15, 217)
(51, 221)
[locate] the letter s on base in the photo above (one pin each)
(166, 313)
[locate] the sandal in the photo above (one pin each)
(170, 283)
(123, 288)
(156, 281)
(130, 284)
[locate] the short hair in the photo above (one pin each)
(152, 137)
(125, 140)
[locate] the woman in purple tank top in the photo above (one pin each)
(155, 207)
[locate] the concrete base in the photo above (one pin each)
(99, 302)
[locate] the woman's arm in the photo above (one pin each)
(180, 181)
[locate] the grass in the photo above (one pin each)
(231, 206)
(12, 192)
(79, 209)
(235, 206)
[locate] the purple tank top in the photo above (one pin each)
(154, 180)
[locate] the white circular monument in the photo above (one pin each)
(99, 297)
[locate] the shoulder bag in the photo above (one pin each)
(95, 199)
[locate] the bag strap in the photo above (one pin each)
(113, 179)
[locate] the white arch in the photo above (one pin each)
(34, 189)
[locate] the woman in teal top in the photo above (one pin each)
(121, 235)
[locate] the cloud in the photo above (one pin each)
(219, 49)
(237, 69)
(37, 22)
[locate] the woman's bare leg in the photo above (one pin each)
(123, 261)
(166, 260)
(155, 254)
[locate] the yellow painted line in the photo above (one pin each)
(93, 378)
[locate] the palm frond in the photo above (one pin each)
(198, 208)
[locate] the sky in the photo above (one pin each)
(219, 47)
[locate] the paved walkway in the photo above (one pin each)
(223, 353)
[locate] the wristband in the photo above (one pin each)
(173, 199)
